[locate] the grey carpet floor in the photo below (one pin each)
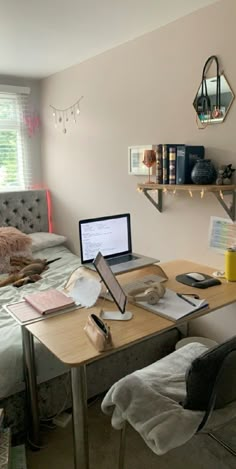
(201, 452)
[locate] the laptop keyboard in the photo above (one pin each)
(121, 259)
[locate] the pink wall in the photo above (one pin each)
(139, 93)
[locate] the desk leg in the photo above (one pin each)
(80, 421)
(31, 385)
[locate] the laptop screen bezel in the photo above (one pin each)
(94, 220)
(96, 265)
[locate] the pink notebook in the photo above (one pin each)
(49, 301)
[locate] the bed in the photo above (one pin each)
(28, 211)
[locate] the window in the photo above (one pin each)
(14, 142)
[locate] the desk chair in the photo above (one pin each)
(192, 389)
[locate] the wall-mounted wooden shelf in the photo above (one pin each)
(217, 190)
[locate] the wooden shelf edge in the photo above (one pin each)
(189, 187)
(217, 190)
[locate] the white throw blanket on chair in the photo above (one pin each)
(149, 400)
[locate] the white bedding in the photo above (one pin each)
(11, 365)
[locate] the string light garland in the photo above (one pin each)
(63, 116)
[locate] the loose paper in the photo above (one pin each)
(222, 234)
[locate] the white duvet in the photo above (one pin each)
(11, 364)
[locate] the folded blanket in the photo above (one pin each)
(149, 400)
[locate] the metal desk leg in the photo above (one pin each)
(80, 420)
(31, 385)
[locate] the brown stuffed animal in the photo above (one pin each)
(30, 273)
(25, 280)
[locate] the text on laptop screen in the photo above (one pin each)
(109, 235)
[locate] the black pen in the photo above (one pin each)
(185, 299)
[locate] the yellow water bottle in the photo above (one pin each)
(230, 265)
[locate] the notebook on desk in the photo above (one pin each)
(174, 307)
(112, 237)
(27, 311)
(49, 301)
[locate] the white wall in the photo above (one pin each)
(139, 93)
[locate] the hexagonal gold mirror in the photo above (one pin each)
(205, 102)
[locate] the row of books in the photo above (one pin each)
(174, 162)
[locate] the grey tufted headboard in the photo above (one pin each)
(26, 210)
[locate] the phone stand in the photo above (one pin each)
(116, 315)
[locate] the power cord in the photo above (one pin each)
(67, 390)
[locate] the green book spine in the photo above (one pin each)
(159, 175)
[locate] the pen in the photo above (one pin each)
(185, 299)
(193, 295)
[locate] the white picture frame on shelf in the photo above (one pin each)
(136, 167)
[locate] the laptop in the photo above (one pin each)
(111, 236)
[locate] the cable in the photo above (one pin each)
(93, 400)
(48, 426)
(34, 445)
(66, 384)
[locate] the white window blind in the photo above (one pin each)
(15, 164)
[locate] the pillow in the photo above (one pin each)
(202, 375)
(12, 243)
(43, 240)
(12, 240)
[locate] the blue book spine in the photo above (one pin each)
(181, 165)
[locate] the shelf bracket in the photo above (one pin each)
(231, 209)
(157, 205)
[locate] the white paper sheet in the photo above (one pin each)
(222, 234)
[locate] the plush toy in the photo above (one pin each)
(27, 270)
(224, 174)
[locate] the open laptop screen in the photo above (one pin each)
(111, 282)
(109, 235)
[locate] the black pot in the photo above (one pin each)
(203, 172)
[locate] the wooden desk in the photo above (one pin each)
(64, 336)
